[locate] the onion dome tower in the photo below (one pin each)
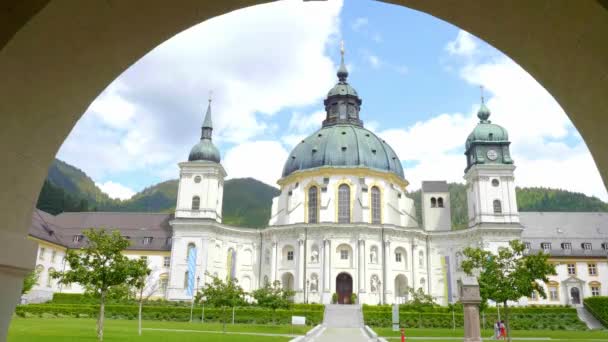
(204, 149)
(201, 181)
(489, 174)
(488, 143)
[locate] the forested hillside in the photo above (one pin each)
(247, 202)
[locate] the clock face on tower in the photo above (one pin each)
(492, 155)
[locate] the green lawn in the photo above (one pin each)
(82, 329)
(589, 336)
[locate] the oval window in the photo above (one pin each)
(197, 179)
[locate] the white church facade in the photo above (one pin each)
(343, 222)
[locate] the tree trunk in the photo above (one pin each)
(506, 314)
(101, 315)
(141, 301)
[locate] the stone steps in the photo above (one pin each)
(343, 316)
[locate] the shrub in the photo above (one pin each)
(557, 318)
(598, 306)
(250, 314)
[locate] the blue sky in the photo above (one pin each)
(269, 68)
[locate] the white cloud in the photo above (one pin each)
(545, 146)
(374, 61)
(463, 45)
(262, 160)
(359, 23)
(116, 190)
(256, 60)
(306, 123)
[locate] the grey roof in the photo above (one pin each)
(562, 227)
(62, 228)
(434, 186)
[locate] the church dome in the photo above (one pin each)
(342, 141)
(486, 131)
(343, 145)
(205, 150)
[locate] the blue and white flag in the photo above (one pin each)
(191, 270)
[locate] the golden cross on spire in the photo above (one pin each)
(481, 91)
(342, 47)
(210, 95)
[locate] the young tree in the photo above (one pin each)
(29, 281)
(101, 266)
(273, 296)
(222, 294)
(419, 298)
(147, 286)
(507, 275)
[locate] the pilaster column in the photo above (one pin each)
(326, 265)
(17, 259)
(361, 266)
(301, 275)
(273, 263)
(386, 282)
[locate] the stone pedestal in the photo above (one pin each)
(470, 299)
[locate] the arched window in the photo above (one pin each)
(440, 202)
(421, 259)
(376, 209)
(196, 203)
(344, 204)
(313, 204)
(497, 207)
(186, 279)
(190, 250)
(433, 202)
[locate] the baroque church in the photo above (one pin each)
(342, 224)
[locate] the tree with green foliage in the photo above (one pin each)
(100, 266)
(221, 294)
(507, 275)
(420, 299)
(273, 296)
(29, 281)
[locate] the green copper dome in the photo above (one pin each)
(343, 145)
(205, 150)
(486, 131)
(343, 141)
(342, 89)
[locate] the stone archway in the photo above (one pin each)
(401, 289)
(344, 288)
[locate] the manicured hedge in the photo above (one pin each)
(598, 306)
(520, 318)
(253, 315)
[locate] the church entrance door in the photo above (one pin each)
(344, 288)
(576, 297)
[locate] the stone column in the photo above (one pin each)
(326, 265)
(17, 259)
(301, 275)
(361, 266)
(273, 263)
(470, 299)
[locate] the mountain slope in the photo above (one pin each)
(247, 202)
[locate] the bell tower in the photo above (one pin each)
(201, 178)
(489, 173)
